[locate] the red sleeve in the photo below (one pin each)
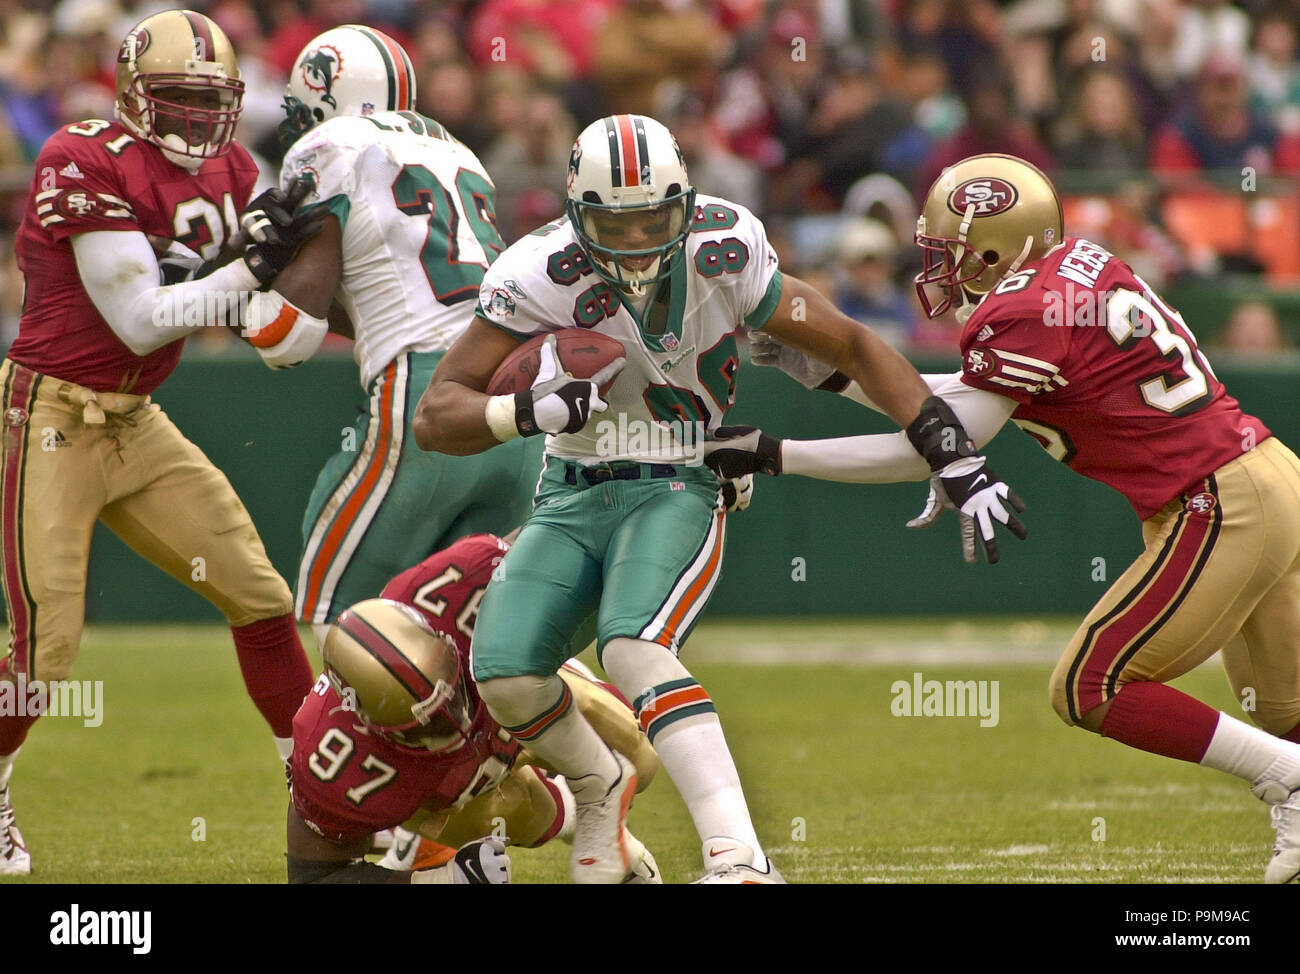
(1170, 153)
(1011, 348)
(246, 175)
(79, 185)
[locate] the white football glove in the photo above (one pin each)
(984, 504)
(558, 403)
(735, 494)
(766, 350)
(935, 505)
(482, 862)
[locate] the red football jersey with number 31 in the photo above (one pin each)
(91, 176)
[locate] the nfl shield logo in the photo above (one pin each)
(669, 343)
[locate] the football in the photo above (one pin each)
(582, 354)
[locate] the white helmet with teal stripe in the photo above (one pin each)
(349, 70)
(629, 199)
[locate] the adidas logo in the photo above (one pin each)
(72, 172)
(53, 439)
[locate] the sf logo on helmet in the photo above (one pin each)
(319, 70)
(989, 195)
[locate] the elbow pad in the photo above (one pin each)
(283, 334)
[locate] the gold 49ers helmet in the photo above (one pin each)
(982, 220)
(178, 86)
(403, 677)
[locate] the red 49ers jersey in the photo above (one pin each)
(348, 782)
(1107, 376)
(94, 175)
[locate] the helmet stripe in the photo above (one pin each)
(387, 655)
(199, 27)
(611, 136)
(404, 71)
(628, 143)
(642, 149)
(374, 37)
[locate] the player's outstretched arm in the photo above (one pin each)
(806, 320)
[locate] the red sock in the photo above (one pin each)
(553, 829)
(1157, 718)
(275, 668)
(13, 731)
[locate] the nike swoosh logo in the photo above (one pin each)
(718, 852)
(404, 847)
(976, 482)
(587, 861)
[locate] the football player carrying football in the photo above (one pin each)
(98, 334)
(1064, 339)
(395, 732)
(410, 232)
(624, 536)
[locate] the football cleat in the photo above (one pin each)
(603, 849)
(1284, 867)
(731, 862)
(410, 851)
(14, 857)
(645, 871)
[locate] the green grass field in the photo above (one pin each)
(842, 790)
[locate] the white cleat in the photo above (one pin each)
(1284, 867)
(403, 847)
(731, 862)
(603, 849)
(14, 857)
(645, 871)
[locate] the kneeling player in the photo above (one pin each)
(395, 733)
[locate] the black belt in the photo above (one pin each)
(616, 471)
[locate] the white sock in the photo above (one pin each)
(567, 809)
(284, 745)
(693, 751)
(320, 630)
(7, 767)
(695, 755)
(1270, 764)
(568, 744)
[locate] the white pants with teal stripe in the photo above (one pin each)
(381, 504)
(636, 558)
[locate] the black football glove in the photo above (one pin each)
(277, 228)
(962, 480)
(738, 450)
(557, 402)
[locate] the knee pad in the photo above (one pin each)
(514, 700)
(635, 665)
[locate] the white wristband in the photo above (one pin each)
(500, 416)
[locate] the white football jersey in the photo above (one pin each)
(416, 209)
(681, 354)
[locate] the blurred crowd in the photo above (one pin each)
(1172, 126)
